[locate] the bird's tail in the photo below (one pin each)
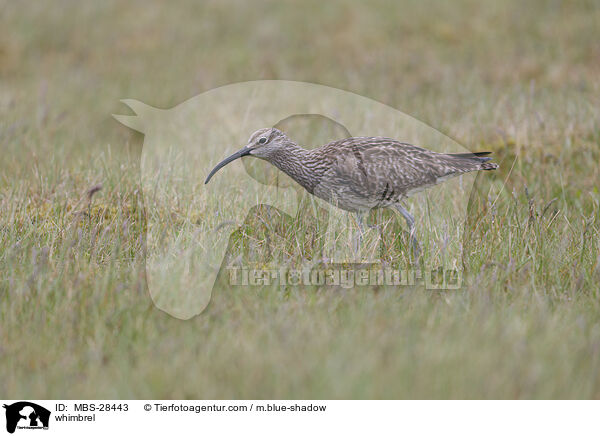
(477, 154)
(477, 158)
(488, 166)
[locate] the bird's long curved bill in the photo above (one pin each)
(243, 152)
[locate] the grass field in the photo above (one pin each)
(76, 318)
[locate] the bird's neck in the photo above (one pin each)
(295, 162)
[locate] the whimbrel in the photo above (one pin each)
(360, 173)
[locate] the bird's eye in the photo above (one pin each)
(262, 140)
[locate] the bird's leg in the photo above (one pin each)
(360, 220)
(410, 222)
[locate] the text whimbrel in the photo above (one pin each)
(361, 173)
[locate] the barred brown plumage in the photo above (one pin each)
(360, 173)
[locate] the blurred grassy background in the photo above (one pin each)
(519, 79)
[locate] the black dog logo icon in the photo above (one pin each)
(26, 415)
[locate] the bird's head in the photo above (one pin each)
(262, 144)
